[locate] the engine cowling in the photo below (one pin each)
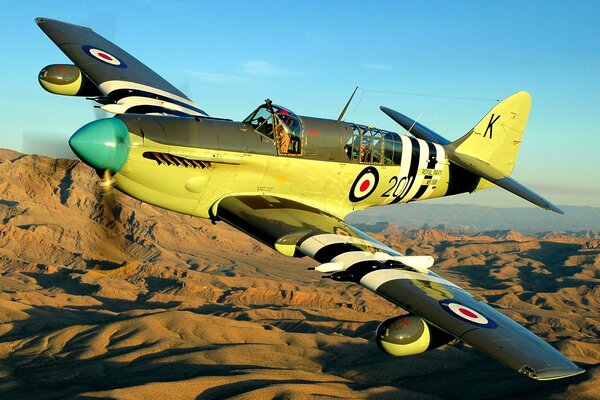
(67, 80)
(406, 335)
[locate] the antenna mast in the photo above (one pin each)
(346, 107)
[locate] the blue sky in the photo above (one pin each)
(229, 56)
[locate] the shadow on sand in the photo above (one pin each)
(452, 372)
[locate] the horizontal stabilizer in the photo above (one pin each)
(486, 171)
(515, 187)
(415, 128)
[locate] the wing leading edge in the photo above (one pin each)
(350, 255)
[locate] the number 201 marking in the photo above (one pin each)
(398, 187)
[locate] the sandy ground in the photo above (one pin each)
(156, 305)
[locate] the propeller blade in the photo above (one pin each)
(106, 185)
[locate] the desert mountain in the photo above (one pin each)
(577, 220)
(155, 304)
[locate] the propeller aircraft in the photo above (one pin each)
(289, 180)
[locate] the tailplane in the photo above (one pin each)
(490, 149)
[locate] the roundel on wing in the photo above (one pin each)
(103, 56)
(364, 184)
(467, 314)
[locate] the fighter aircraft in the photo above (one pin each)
(289, 181)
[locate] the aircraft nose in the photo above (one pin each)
(102, 144)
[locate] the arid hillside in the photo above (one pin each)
(158, 305)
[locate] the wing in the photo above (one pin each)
(349, 255)
(127, 85)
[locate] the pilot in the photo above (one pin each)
(284, 116)
(365, 154)
(284, 140)
(283, 137)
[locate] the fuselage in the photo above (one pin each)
(189, 164)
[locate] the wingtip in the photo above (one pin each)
(43, 20)
(551, 374)
(393, 114)
(554, 208)
(399, 118)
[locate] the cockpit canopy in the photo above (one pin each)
(280, 124)
(370, 145)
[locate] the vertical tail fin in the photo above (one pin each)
(496, 139)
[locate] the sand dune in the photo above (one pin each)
(159, 305)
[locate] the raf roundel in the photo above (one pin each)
(364, 184)
(103, 56)
(467, 314)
